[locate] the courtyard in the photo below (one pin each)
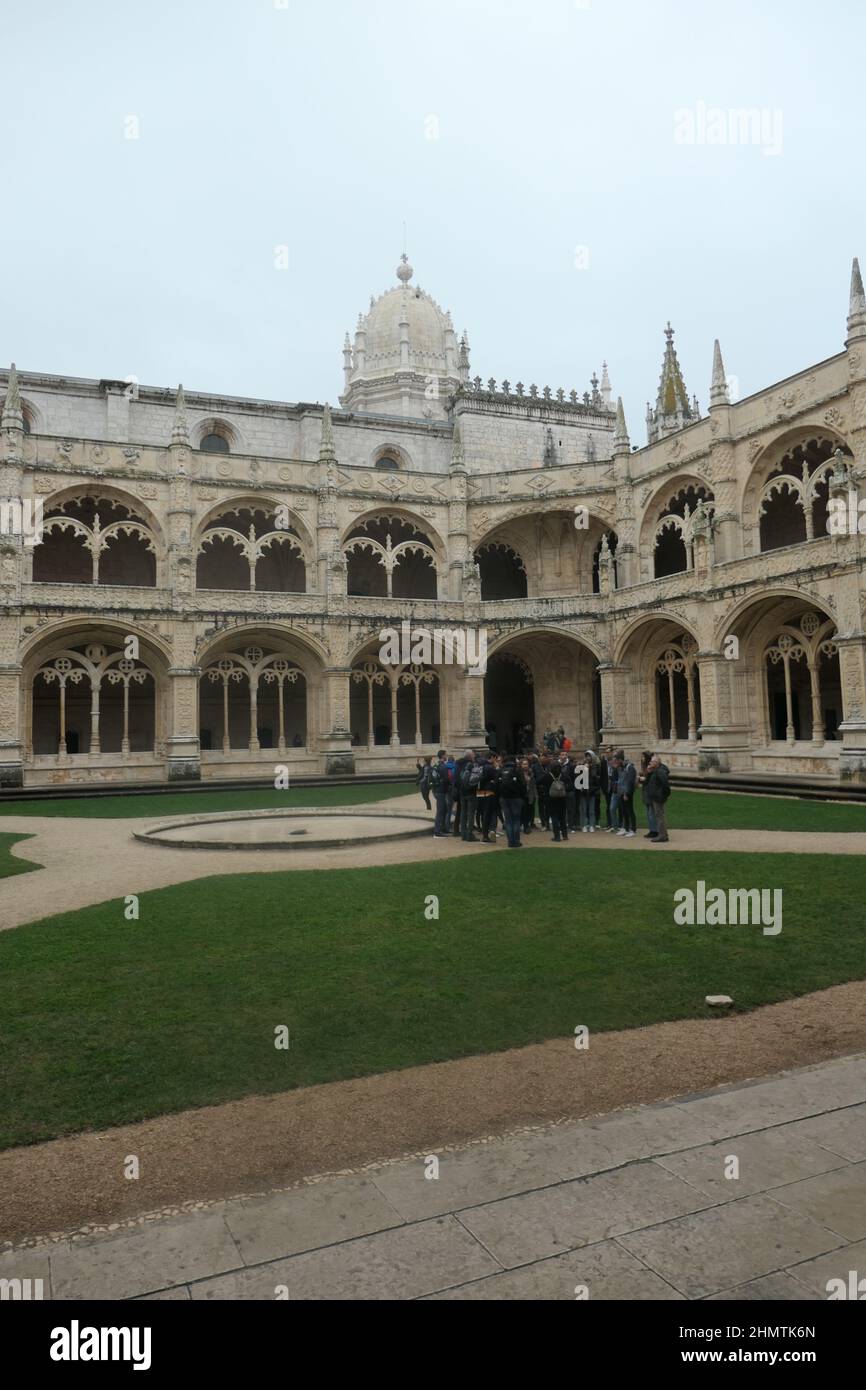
(432, 994)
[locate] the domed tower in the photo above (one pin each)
(406, 359)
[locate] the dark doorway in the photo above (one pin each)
(509, 701)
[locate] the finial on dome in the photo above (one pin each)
(404, 269)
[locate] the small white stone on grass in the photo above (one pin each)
(719, 1000)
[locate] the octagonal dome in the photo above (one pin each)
(403, 341)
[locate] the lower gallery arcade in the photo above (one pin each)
(96, 708)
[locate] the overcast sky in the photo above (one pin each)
(551, 160)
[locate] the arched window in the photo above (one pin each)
(387, 556)
(388, 463)
(502, 571)
(793, 501)
(95, 540)
(214, 444)
(685, 519)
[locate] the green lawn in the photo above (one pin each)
(688, 810)
(10, 864)
(106, 1021)
(200, 803)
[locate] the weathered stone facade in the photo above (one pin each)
(214, 573)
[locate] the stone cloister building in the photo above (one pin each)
(214, 574)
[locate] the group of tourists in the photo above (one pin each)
(560, 790)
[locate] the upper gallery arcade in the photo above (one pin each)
(214, 572)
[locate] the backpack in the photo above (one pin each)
(509, 786)
(557, 788)
(475, 775)
(438, 777)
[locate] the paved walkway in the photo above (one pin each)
(635, 1205)
(93, 861)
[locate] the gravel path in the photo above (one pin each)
(266, 1142)
(93, 861)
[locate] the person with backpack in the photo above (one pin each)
(658, 789)
(557, 802)
(469, 776)
(512, 798)
(487, 799)
(440, 786)
(459, 765)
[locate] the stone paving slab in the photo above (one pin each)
(26, 1264)
(322, 1214)
(842, 1133)
(729, 1245)
(837, 1200)
(155, 1256)
(403, 1264)
(604, 1271)
(793, 1097)
(773, 1288)
(633, 1205)
(768, 1159)
(537, 1224)
(482, 1173)
(813, 1275)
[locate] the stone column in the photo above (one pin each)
(182, 744)
(724, 743)
(458, 518)
(616, 728)
(852, 671)
(11, 743)
(462, 710)
(336, 742)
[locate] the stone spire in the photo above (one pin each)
(347, 361)
(857, 306)
(673, 409)
(458, 461)
(180, 429)
(13, 415)
(463, 357)
(605, 386)
(719, 386)
(327, 452)
(621, 442)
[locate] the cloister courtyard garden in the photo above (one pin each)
(161, 988)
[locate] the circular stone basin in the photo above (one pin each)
(302, 828)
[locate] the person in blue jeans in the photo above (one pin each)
(440, 786)
(512, 799)
(613, 784)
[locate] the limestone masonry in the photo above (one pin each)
(214, 573)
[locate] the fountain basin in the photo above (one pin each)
(300, 828)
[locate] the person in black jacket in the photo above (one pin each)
(464, 796)
(557, 802)
(658, 789)
(512, 797)
(488, 800)
(540, 766)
